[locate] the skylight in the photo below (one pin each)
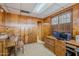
(41, 7)
(38, 7)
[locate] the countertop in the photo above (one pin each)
(71, 42)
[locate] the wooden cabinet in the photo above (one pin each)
(46, 30)
(2, 20)
(56, 46)
(60, 48)
(1, 16)
(0, 48)
(3, 49)
(5, 44)
(50, 43)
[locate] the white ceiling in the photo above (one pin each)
(16, 7)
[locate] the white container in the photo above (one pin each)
(2, 37)
(77, 38)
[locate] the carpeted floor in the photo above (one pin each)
(35, 49)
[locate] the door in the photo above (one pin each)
(46, 30)
(39, 34)
(32, 35)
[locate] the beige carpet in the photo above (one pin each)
(35, 49)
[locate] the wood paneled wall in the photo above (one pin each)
(62, 27)
(23, 31)
(76, 19)
(12, 23)
(72, 27)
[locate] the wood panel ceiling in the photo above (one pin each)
(16, 7)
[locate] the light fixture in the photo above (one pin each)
(41, 7)
(1, 10)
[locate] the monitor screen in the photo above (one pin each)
(63, 36)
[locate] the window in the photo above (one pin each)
(68, 15)
(65, 18)
(55, 20)
(62, 18)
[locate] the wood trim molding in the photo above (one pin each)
(61, 11)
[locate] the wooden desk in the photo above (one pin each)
(73, 42)
(4, 44)
(51, 37)
(59, 46)
(10, 43)
(56, 46)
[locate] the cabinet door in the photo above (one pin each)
(60, 48)
(0, 48)
(63, 52)
(46, 30)
(57, 48)
(49, 45)
(62, 45)
(2, 21)
(1, 18)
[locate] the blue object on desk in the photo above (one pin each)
(56, 34)
(62, 35)
(69, 36)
